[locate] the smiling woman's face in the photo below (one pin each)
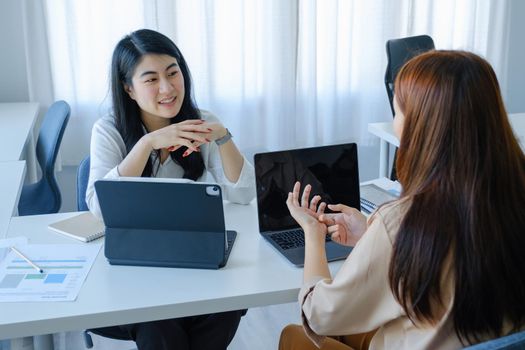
(157, 87)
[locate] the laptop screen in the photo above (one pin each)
(331, 170)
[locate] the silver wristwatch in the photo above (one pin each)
(224, 139)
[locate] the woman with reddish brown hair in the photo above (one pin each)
(443, 266)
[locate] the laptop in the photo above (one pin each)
(164, 222)
(333, 173)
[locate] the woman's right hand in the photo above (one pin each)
(190, 133)
(345, 227)
(306, 212)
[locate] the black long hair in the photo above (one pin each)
(463, 168)
(126, 111)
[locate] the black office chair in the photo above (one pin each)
(113, 332)
(43, 196)
(398, 52)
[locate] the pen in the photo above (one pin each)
(27, 259)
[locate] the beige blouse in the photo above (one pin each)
(359, 298)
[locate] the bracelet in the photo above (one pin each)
(224, 139)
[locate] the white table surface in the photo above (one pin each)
(16, 125)
(255, 275)
(13, 174)
(385, 131)
(517, 120)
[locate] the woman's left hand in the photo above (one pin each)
(306, 213)
(216, 129)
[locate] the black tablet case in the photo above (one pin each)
(163, 224)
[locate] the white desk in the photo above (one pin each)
(517, 120)
(13, 174)
(16, 126)
(385, 131)
(255, 275)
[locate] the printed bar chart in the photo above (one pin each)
(65, 268)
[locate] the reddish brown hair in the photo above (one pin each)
(464, 172)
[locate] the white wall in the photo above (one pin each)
(515, 94)
(13, 75)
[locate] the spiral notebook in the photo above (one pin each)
(84, 227)
(373, 196)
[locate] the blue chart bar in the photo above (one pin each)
(55, 278)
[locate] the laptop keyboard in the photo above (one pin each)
(230, 236)
(291, 239)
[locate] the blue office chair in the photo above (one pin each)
(398, 52)
(82, 182)
(113, 332)
(43, 197)
(514, 341)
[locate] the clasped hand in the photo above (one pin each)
(191, 133)
(345, 226)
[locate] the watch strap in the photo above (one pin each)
(224, 139)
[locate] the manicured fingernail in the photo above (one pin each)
(185, 154)
(208, 140)
(210, 129)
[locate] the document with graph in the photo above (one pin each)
(64, 269)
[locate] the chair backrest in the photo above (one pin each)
(398, 52)
(50, 135)
(43, 197)
(49, 140)
(82, 181)
(514, 341)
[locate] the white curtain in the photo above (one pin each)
(38, 72)
(279, 73)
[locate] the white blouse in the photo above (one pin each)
(108, 150)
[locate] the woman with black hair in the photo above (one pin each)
(156, 130)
